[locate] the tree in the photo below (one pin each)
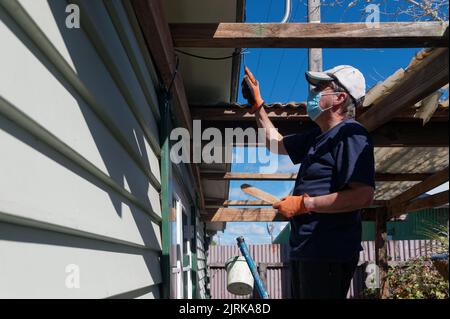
(416, 10)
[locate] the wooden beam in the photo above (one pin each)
(310, 35)
(295, 112)
(218, 203)
(381, 177)
(431, 201)
(245, 203)
(381, 253)
(428, 184)
(419, 81)
(392, 134)
(401, 177)
(268, 265)
(223, 214)
(241, 113)
(155, 29)
(244, 215)
(397, 134)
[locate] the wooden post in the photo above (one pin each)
(262, 271)
(315, 54)
(381, 255)
(263, 274)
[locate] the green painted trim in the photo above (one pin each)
(412, 228)
(194, 276)
(179, 178)
(194, 221)
(166, 199)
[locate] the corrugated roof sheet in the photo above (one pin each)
(411, 159)
(406, 160)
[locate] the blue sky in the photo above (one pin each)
(281, 76)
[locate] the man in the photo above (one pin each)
(335, 181)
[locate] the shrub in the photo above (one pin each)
(417, 279)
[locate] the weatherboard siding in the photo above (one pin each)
(79, 163)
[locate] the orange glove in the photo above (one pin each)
(251, 92)
(291, 206)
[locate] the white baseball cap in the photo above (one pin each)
(350, 78)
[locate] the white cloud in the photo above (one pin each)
(238, 154)
(279, 227)
(254, 233)
(237, 194)
(245, 229)
(283, 189)
(283, 165)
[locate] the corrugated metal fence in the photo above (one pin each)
(276, 258)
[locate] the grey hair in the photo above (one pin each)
(349, 107)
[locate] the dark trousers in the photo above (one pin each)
(321, 280)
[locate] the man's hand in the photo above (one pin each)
(291, 206)
(251, 92)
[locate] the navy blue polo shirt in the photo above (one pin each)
(329, 162)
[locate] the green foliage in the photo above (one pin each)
(417, 279)
(439, 234)
(370, 293)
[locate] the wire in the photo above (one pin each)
(260, 50)
(301, 65)
(235, 54)
(168, 94)
(277, 73)
(297, 77)
(283, 53)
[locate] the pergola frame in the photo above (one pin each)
(395, 106)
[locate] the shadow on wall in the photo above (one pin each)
(119, 170)
(92, 73)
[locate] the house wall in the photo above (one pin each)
(182, 188)
(80, 210)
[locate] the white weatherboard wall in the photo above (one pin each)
(79, 156)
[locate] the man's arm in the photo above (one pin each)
(357, 197)
(272, 136)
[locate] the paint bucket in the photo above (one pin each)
(239, 277)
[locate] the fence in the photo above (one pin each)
(275, 258)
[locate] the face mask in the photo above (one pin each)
(312, 105)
